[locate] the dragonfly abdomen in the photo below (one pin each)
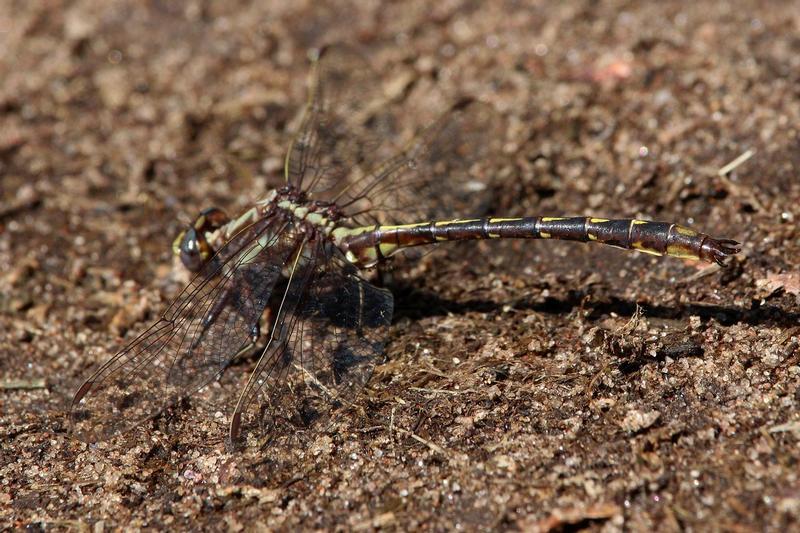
(368, 245)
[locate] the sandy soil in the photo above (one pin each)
(534, 386)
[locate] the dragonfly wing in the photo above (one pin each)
(439, 174)
(326, 345)
(338, 154)
(196, 338)
(277, 358)
(333, 140)
(345, 321)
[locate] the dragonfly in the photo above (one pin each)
(297, 261)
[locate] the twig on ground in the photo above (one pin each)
(23, 384)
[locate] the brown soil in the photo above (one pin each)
(544, 386)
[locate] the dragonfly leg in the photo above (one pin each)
(186, 360)
(255, 334)
(383, 276)
(211, 317)
(252, 341)
(227, 298)
(231, 296)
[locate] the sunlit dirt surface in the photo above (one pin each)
(532, 385)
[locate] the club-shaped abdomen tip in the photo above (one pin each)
(717, 250)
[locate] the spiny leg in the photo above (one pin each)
(255, 331)
(255, 334)
(208, 322)
(195, 253)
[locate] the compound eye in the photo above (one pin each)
(191, 251)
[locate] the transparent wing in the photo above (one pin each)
(196, 338)
(338, 155)
(276, 359)
(325, 344)
(345, 322)
(335, 138)
(439, 174)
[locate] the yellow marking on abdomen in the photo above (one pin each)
(685, 231)
(456, 221)
(682, 252)
(637, 222)
(342, 232)
(500, 220)
(493, 235)
(598, 220)
(544, 235)
(404, 226)
(451, 223)
(591, 237)
(553, 219)
(387, 249)
(640, 247)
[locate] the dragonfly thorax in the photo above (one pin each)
(321, 217)
(213, 228)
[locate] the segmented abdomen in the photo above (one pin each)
(367, 245)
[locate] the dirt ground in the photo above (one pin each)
(535, 385)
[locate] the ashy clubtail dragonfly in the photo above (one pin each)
(296, 256)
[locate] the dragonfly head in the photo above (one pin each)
(191, 244)
(192, 248)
